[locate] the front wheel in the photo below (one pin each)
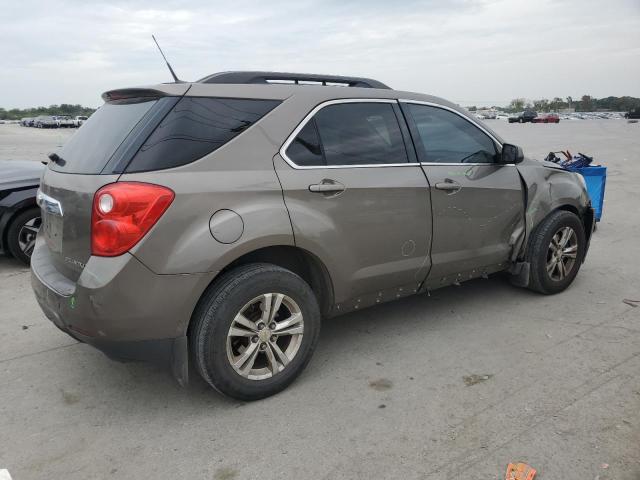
(254, 331)
(556, 250)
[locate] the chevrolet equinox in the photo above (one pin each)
(219, 221)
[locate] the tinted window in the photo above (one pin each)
(449, 138)
(89, 149)
(196, 127)
(351, 134)
(360, 134)
(305, 149)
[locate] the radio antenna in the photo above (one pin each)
(173, 74)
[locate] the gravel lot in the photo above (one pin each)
(454, 385)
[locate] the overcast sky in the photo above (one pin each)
(472, 52)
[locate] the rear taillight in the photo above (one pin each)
(123, 213)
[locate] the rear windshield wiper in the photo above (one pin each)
(55, 158)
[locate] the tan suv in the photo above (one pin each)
(221, 220)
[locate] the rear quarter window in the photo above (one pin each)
(196, 127)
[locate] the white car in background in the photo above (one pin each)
(79, 120)
(64, 121)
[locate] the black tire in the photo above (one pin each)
(538, 253)
(216, 311)
(16, 230)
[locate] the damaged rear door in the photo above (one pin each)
(359, 199)
(477, 203)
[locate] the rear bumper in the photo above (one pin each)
(120, 307)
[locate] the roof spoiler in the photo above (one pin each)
(296, 78)
(128, 94)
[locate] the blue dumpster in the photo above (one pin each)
(595, 178)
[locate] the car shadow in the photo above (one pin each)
(142, 384)
(9, 264)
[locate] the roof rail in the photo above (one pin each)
(295, 78)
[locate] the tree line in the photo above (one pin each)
(585, 104)
(63, 109)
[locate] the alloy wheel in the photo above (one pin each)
(265, 336)
(27, 235)
(562, 253)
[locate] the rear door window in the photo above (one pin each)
(196, 127)
(358, 133)
(91, 147)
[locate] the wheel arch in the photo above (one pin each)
(301, 262)
(298, 260)
(11, 213)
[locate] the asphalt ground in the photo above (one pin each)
(453, 385)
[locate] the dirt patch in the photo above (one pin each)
(381, 384)
(69, 398)
(470, 380)
(225, 473)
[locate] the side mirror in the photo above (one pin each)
(511, 154)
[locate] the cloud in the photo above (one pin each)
(472, 52)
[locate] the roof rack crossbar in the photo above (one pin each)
(296, 78)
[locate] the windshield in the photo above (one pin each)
(89, 150)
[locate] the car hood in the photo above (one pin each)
(19, 174)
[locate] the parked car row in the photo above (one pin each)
(534, 117)
(53, 121)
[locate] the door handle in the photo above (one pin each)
(327, 186)
(449, 186)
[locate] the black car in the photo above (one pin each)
(633, 114)
(19, 214)
(523, 117)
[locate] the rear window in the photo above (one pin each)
(89, 150)
(196, 127)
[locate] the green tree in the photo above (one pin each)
(556, 104)
(586, 104)
(541, 105)
(516, 105)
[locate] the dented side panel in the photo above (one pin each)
(473, 227)
(549, 188)
(373, 237)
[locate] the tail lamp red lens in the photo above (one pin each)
(123, 213)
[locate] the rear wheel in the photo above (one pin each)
(21, 235)
(254, 331)
(556, 251)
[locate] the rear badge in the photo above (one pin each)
(74, 262)
(49, 204)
